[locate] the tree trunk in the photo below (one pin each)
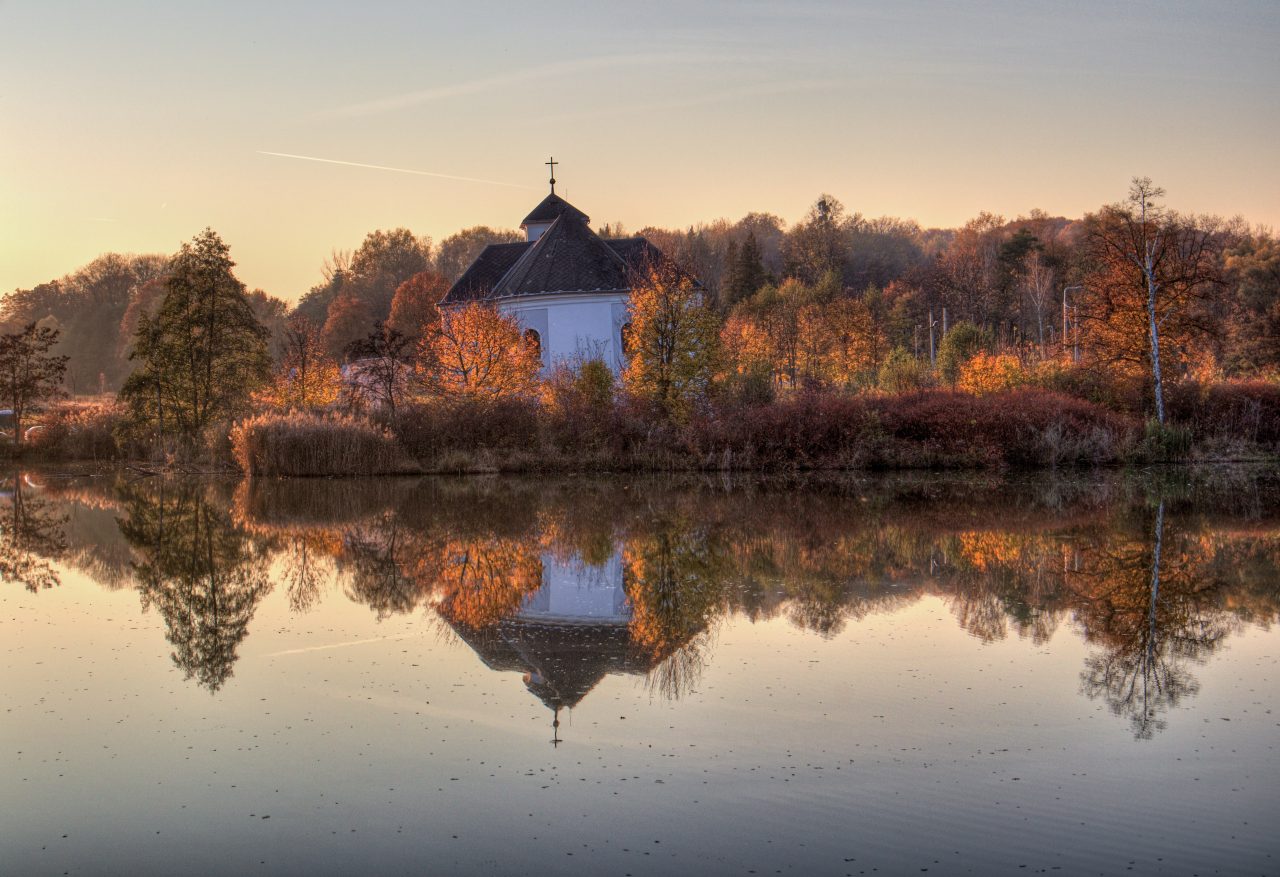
(1149, 656)
(1154, 330)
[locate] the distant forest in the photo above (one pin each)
(1018, 284)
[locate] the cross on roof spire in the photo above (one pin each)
(552, 164)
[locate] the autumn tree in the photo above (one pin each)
(383, 261)
(1038, 287)
(348, 319)
(881, 251)
(306, 377)
(202, 354)
(1253, 327)
(965, 275)
(674, 340)
(959, 345)
(479, 353)
(1149, 265)
(86, 304)
(30, 375)
(413, 308)
(817, 245)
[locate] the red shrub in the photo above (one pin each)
(1245, 410)
(1018, 427)
(428, 430)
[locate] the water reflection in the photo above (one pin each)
(32, 533)
(202, 573)
(566, 582)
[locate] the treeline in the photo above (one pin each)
(96, 309)
(897, 286)
(840, 341)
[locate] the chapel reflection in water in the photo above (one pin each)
(566, 582)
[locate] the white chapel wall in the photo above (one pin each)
(573, 326)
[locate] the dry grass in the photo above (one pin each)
(311, 445)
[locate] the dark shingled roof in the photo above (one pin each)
(551, 209)
(494, 261)
(567, 257)
(564, 661)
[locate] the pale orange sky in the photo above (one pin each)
(129, 127)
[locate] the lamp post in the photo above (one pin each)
(1075, 356)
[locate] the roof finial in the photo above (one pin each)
(552, 164)
(555, 729)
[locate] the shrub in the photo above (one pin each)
(77, 432)
(1247, 411)
(809, 430)
(990, 373)
(958, 346)
(307, 444)
(750, 386)
(1018, 427)
(1164, 443)
(902, 373)
(578, 405)
(428, 430)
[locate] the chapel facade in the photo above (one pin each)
(568, 287)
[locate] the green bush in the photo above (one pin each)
(958, 346)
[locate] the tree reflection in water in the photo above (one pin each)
(204, 574)
(32, 534)
(1150, 620)
(569, 581)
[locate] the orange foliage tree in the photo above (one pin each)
(306, 376)
(476, 352)
(1150, 267)
(676, 340)
(990, 373)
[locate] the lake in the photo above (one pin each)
(910, 673)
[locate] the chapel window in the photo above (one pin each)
(533, 341)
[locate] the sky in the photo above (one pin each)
(131, 126)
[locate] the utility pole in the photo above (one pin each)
(1075, 357)
(933, 359)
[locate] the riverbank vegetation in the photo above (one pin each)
(1134, 334)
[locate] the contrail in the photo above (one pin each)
(398, 170)
(523, 76)
(354, 642)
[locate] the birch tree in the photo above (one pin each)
(1149, 265)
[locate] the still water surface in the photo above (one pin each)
(916, 674)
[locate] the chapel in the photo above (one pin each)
(568, 287)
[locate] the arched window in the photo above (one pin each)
(534, 341)
(628, 339)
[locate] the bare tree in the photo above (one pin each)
(1038, 285)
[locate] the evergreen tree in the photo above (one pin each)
(203, 352)
(747, 273)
